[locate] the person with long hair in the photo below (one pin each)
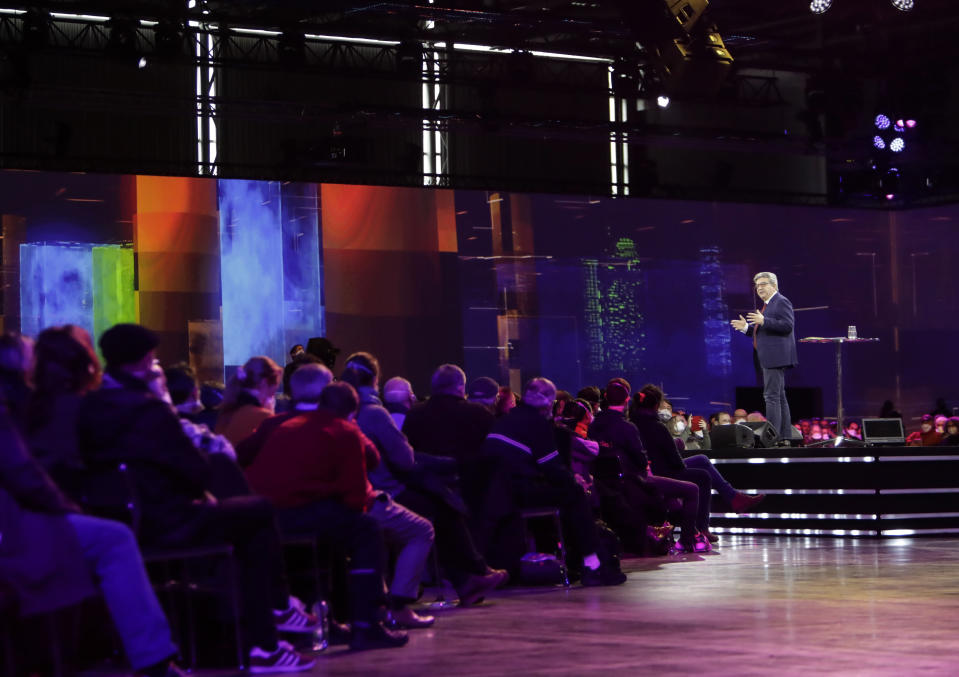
(665, 460)
(16, 364)
(66, 368)
(249, 399)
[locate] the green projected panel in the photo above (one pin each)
(114, 300)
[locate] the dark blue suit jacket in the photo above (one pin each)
(775, 340)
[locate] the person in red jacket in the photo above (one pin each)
(313, 469)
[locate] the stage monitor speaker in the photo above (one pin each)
(766, 436)
(733, 435)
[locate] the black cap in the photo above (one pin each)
(483, 388)
(127, 343)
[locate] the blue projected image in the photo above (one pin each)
(56, 286)
(251, 270)
(269, 267)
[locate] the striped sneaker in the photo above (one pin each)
(295, 619)
(284, 659)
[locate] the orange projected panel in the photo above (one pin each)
(386, 283)
(176, 194)
(446, 220)
(376, 217)
(177, 232)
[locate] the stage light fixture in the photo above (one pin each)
(878, 143)
(819, 6)
(903, 5)
(911, 124)
(882, 122)
(662, 101)
(900, 126)
(897, 145)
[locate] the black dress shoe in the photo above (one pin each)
(476, 588)
(376, 636)
(604, 575)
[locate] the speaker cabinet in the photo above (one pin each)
(734, 435)
(766, 435)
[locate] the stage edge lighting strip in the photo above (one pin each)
(917, 515)
(796, 516)
(939, 490)
(797, 532)
(809, 459)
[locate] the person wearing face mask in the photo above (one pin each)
(951, 437)
(698, 438)
(927, 435)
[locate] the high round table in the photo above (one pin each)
(838, 340)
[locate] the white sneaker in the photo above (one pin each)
(284, 659)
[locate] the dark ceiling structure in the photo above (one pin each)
(334, 91)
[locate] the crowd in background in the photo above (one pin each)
(343, 456)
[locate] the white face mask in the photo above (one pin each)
(698, 433)
(665, 414)
(680, 426)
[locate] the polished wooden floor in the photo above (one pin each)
(758, 606)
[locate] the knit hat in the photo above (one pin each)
(483, 388)
(127, 343)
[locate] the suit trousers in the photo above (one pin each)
(777, 408)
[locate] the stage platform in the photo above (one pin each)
(845, 491)
(760, 605)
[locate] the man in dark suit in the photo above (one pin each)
(775, 344)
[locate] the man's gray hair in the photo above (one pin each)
(308, 381)
(448, 379)
(769, 276)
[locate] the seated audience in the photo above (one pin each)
(642, 489)
(592, 395)
(666, 461)
(16, 355)
(306, 383)
(45, 537)
(312, 467)
(524, 444)
(185, 394)
(484, 390)
(926, 436)
(249, 399)
(720, 418)
(447, 424)
(755, 417)
(66, 367)
(124, 421)
(398, 398)
(410, 534)
(505, 401)
(951, 436)
(739, 416)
